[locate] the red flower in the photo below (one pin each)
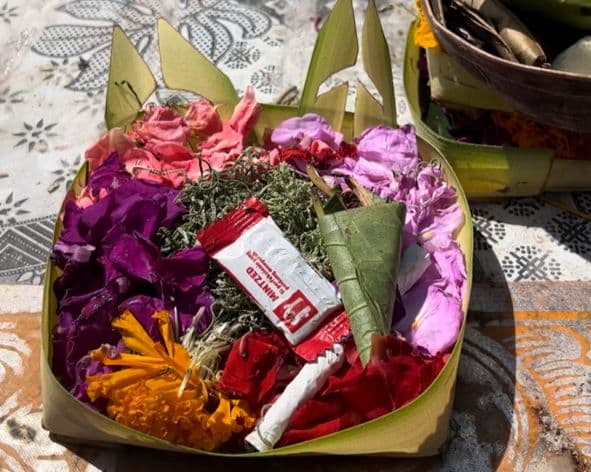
(258, 368)
(347, 150)
(395, 375)
(319, 154)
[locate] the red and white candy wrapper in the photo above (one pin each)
(254, 252)
(332, 331)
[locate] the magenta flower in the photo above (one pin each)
(395, 149)
(108, 257)
(302, 130)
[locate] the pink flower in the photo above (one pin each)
(449, 261)
(245, 114)
(162, 124)
(396, 149)
(223, 148)
(114, 141)
(433, 318)
(143, 164)
(178, 172)
(169, 151)
(203, 118)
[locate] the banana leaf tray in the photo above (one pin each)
(417, 429)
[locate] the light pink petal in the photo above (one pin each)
(394, 148)
(245, 114)
(203, 118)
(450, 264)
(433, 319)
(447, 221)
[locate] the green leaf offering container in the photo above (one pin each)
(417, 429)
(484, 171)
(551, 97)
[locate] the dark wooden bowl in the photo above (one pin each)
(551, 97)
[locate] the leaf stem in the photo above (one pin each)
(366, 198)
(318, 181)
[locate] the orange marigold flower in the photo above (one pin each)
(146, 394)
(530, 134)
(424, 36)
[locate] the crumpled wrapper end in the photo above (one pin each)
(304, 386)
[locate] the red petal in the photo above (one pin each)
(257, 368)
(395, 375)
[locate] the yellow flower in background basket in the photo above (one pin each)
(423, 35)
(158, 393)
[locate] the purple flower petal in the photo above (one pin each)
(395, 149)
(433, 319)
(125, 263)
(135, 257)
(87, 366)
(301, 131)
(78, 253)
(110, 175)
(143, 307)
(449, 261)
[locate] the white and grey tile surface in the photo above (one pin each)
(523, 400)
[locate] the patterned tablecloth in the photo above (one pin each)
(523, 399)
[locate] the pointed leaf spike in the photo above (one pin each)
(185, 68)
(368, 111)
(377, 64)
(130, 82)
(331, 105)
(336, 49)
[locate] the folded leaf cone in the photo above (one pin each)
(363, 246)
